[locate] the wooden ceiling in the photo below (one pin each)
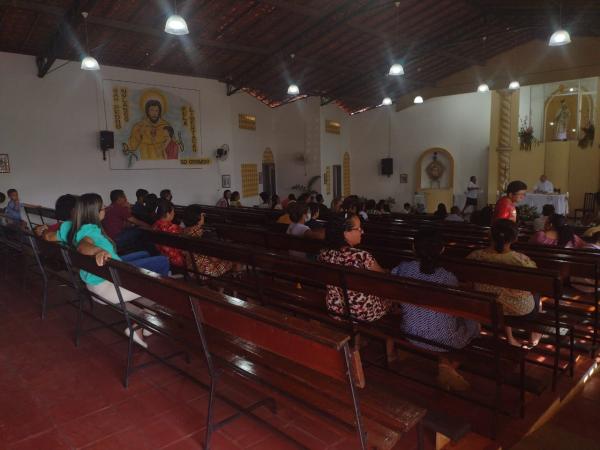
(342, 48)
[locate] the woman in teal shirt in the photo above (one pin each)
(86, 235)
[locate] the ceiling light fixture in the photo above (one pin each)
(293, 89)
(418, 100)
(176, 24)
(396, 68)
(386, 101)
(514, 85)
(88, 62)
(483, 88)
(560, 36)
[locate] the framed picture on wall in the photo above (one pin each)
(226, 181)
(403, 178)
(4, 163)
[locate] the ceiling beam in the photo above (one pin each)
(63, 38)
(131, 27)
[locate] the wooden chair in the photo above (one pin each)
(589, 205)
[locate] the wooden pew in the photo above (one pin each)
(298, 359)
(278, 295)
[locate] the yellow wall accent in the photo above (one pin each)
(435, 196)
(268, 156)
(249, 180)
(528, 165)
(583, 173)
(346, 175)
(556, 166)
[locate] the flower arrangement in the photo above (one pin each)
(526, 137)
(588, 136)
(526, 213)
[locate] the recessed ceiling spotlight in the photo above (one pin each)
(418, 100)
(514, 85)
(483, 87)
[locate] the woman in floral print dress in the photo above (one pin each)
(343, 239)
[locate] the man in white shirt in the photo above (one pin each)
(471, 194)
(544, 186)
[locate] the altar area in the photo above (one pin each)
(546, 129)
(559, 201)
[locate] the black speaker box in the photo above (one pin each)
(107, 139)
(387, 166)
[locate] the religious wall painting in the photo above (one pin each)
(565, 112)
(155, 127)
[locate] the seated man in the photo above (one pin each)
(544, 186)
(119, 224)
(454, 215)
(139, 208)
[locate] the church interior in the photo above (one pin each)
(313, 224)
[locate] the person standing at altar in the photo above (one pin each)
(544, 186)
(505, 207)
(471, 194)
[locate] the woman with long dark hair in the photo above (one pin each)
(452, 332)
(514, 302)
(165, 213)
(342, 237)
(557, 233)
(85, 233)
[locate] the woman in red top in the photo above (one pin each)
(557, 233)
(166, 213)
(505, 207)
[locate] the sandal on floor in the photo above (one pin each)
(136, 338)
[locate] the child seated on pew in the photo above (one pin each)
(85, 233)
(63, 210)
(432, 326)
(165, 213)
(343, 236)
(202, 265)
(514, 302)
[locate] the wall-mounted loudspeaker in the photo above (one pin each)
(387, 166)
(107, 141)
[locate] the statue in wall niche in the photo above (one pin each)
(435, 170)
(562, 119)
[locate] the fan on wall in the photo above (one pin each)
(222, 153)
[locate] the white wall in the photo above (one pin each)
(458, 123)
(49, 127)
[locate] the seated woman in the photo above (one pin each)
(514, 302)
(165, 213)
(206, 266)
(453, 332)
(63, 209)
(86, 235)
(235, 200)
(343, 236)
(441, 212)
(275, 202)
(557, 233)
(299, 215)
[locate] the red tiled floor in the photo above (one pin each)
(54, 395)
(50, 440)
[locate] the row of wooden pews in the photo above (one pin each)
(298, 359)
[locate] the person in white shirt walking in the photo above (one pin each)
(471, 194)
(544, 186)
